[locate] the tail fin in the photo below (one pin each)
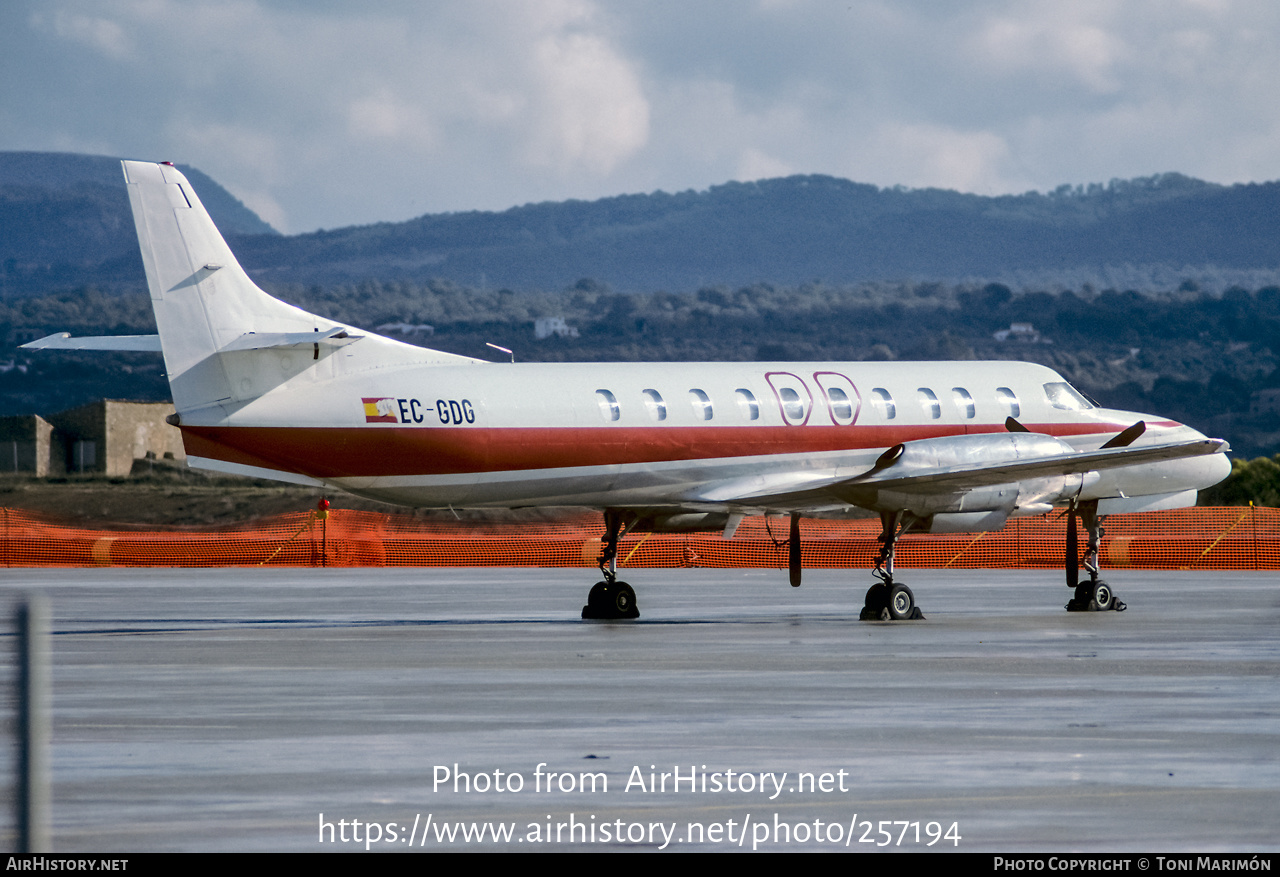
(212, 319)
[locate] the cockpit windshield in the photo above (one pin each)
(1062, 395)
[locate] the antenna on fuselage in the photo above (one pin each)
(506, 350)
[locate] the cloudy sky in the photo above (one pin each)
(320, 113)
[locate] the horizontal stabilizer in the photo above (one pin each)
(335, 337)
(64, 341)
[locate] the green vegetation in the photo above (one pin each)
(1187, 355)
(1255, 481)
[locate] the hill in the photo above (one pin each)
(801, 229)
(66, 216)
(64, 220)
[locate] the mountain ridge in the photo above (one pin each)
(789, 230)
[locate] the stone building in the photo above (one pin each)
(104, 437)
(30, 444)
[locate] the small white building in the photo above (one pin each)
(1023, 332)
(545, 327)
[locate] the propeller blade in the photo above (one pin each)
(1014, 426)
(794, 551)
(1073, 549)
(1126, 437)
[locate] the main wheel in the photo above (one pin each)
(1103, 597)
(877, 597)
(611, 600)
(598, 601)
(901, 602)
(876, 603)
(623, 601)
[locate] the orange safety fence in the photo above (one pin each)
(1196, 538)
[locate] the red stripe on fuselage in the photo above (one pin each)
(353, 452)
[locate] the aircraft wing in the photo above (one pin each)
(957, 478)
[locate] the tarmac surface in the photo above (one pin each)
(286, 709)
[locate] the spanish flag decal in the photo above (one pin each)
(380, 410)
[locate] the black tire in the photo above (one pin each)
(1103, 597)
(623, 601)
(599, 596)
(597, 602)
(901, 602)
(877, 598)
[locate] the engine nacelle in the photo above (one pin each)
(962, 522)
(680, 522)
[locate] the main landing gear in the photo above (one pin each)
(611, 599)
(888, 600)
(1094, 595)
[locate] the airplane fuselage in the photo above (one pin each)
(643, 434)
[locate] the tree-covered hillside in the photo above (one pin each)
(1196, 357)
(803, 229)
(65, 217)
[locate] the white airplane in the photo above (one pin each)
(265, 389)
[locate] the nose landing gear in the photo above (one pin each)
(611, 599)
(1094, 595)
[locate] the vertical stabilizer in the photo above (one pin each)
(217, 328)
(202, 298)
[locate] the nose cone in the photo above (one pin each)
(1205, 471)
(1216, 468)
(1188, 473)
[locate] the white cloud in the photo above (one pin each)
(383, 115)
(336, 113)
(1050, 46)
(923, 155)
(588, 111)
(754, 164)
(102, 34)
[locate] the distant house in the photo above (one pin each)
(1023, 332)
(545, 327)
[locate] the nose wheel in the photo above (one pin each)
(611, 599)
(1094, 595)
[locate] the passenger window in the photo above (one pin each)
(964, 402)
(701, 404)
(792, 404)
(841, 407)
(883, 402)
(654, 405)
(608, 405)
(1009, 400)
(929, 403)
(748, 405)
(1062, 395)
